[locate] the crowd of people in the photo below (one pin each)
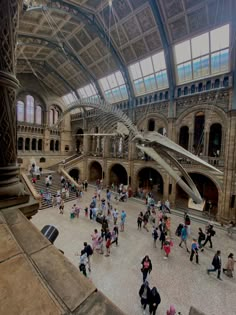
(158, 219)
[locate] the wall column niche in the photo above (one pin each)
(11, 190)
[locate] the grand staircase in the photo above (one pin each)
(56, 185)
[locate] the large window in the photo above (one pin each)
(204, 55)
(38, 115)
(149, 74)
(114, 87)
(89, 92)
(20, 111)
(54, 114)
(69, 98)
(29, 109)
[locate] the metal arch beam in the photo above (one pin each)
(90, 19)
(62, 49)
(49, 69)
(168, 52)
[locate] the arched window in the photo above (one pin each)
(52, 145)
(56, 116)
(42, 160)
(27, 144)
(20, 111)
(184, 137)
(29, 109)
(57, 146)
(33, 145)
(40, 145)
(51, 117)
(20, 144)
(162, 131)
(215, 139)
(38, 115)
(199, 125)
(151, 125)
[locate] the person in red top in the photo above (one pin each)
(146, 267)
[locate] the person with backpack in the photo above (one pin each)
(210, 233)
(201, 237)
(154, 300)
(194, 250)
(216, 263)
(187, 222)
(88, 249)
(155, 236)
(146, 267)
(144, 293)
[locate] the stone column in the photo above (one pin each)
(10, 187)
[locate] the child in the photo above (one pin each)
(72, 212)
(155, 236)
(77, 211)
(86, 212)
(61, 207)
(167, 247)
(100, 245)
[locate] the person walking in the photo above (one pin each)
(229, 267)
(187, 222)
(95, 237)
(114, 235)
(171, 311)
(115, 215)
(167, 247)
(162, 228)
(155, 236)
(140, 220)
(146, 267)
(184, 237)
(210, 233)
(108, 243)
(83, 262)
(201, 237)
(145, 220)
(216, 263)
(61, 207)
(122, 219)
(88, 249)
(144, 293)
(194, 250)
(154, 300)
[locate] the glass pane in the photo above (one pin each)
(184, 72)
(119, 78)
(139, 86)
(220, 38)
(116, 95)
(162, 80)
(56, 116)
(146, 66)
(200, 45)
(109, 96)
(104, 84)
(201, 67)
(150, 83)
(20, 111)
(112, 80)
(123, 91)
(82, 93)
(51, 117)
(159, 62)
(220, 61)
(182, 52)
(136, 71)
(38, 115)
(29, 109)
(88, 90)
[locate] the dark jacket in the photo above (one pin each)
(150, 265)
(216, 262)
(142, 289)
(154, 299)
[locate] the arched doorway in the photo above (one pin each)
(20, 144)
(118, 175)
(149, 179)
(52, 145)
(40, 145)
(33, 144)
(95, 171)
(79, 140)
(74, 173)
(198, 139)
(215, 140)
(151, 125)
(207, 189)
(184, 137)
(57, 145)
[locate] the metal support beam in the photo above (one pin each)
(168, 53)
(49, 69)
(32, 40)
(90, 19)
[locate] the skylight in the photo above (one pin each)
(149, 74)
(88, 92)
(114, 87)
(204, 55)
(69, 98)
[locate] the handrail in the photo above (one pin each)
(64, 172)
(31, 187)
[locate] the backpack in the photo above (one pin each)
(213, 232)
(89, 250)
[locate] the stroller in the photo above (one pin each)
(179, 229)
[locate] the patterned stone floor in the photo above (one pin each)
(179, 281)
